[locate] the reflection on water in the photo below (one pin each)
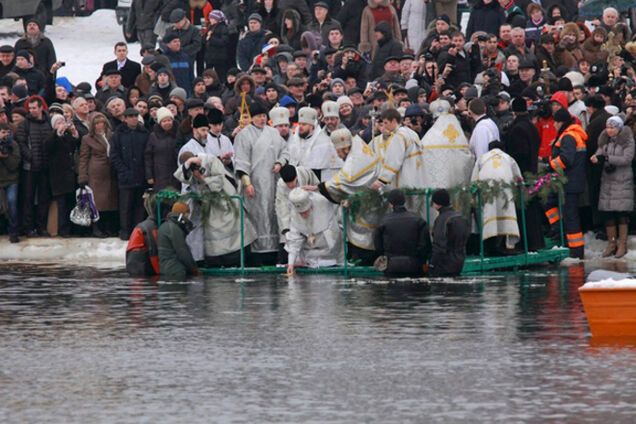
(84, 346)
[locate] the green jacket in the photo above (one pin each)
(10, 167)
(175, 259)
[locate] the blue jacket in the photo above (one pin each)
(181, 69)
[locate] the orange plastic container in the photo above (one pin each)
(610, 312)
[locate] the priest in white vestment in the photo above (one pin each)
(360, 170)
(260, 154)
(221, 229)
(446, 158)
(499, 217)
(311, 147)
(314, 238)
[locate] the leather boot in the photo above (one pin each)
(610, 249)
(622, 240)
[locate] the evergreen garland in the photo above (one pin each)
(208, 200)
(464, 198)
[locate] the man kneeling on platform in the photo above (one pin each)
(175, 260)
(403, 239)
(314, 238)
(450, 234)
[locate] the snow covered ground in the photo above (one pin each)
(98, 253)
(84, 43)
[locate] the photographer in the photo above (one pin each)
(455, 63)
(61, 146)
(9, 176)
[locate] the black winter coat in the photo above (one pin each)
(387, 47)
(36, 81)
(522, 143)
(485, 17)
(462, 71)
(161, 158)
(127, 151)
(43, 53)
(248, 48)
(61, 150)
(143, 15)
(216, 45)
(450, 234)
(404, 238)
(349, 17)
(32, 136)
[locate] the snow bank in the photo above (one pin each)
(612, 284)
(100, 253)
(84, 43)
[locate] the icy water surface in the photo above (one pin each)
(87, 346)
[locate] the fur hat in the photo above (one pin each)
(570, 29)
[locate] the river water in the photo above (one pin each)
(83, 345)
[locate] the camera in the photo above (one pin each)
(6, 147)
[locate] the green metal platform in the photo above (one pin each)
(473, 265)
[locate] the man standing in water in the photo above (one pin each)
(450, 234)
(403, 238)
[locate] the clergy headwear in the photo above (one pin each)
(341, 138)
(300, 199)
(257, 108)
(200, 121)
(330, 109)
(439, 107)
(279, 116)
(307, 115)
(215, 116)
(611, 109)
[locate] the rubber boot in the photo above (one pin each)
(622, 240)
(577, 252)
(610, 249)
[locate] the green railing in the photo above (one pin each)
(482, 265)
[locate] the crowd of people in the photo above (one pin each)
(296, 106)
